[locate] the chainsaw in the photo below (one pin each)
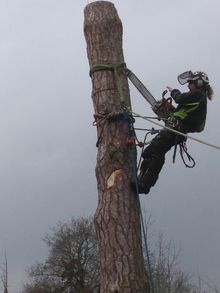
(161, 108)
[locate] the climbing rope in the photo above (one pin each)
(101, 119)
(128, 117)
(130, 121)
(177, 132)
(151, 278)
(150, 270)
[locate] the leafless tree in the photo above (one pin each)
(4, 275)
(74, 241)
(165, 261)
(72, 264)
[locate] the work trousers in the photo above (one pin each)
(154, 158)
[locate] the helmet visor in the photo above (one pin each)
(184, 77)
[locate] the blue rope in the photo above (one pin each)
(152, 284)
(130, 120)
(151, 278)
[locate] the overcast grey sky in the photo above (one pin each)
(47, 149)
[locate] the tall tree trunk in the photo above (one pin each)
(117, 215)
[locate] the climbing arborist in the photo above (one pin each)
(189, 116)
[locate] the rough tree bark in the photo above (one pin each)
(117, 215)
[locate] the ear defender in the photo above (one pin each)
(199, 83)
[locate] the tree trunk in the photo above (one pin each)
(117, 216)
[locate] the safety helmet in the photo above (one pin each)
(199, 77)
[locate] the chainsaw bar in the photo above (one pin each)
(140, 87)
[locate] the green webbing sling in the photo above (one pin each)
(115, 68)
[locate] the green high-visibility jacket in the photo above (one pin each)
(191, 109)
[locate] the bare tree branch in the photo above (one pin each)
(4, 275)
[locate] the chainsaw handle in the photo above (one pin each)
(165, 101)
(164, 93)
(169, 100)
(165, 107)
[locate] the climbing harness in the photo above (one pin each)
(156, 107)
(183, 149)
(180, 141)
(162, 109)
(127, 115)
(151, 131)
(177, 132)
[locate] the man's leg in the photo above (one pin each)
(153, 160)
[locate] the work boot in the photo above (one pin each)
(143, 189)
(146, 180)
(138, 186)
(149, 173)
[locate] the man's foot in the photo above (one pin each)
(143, 188)
(138, 188)
(146, 180)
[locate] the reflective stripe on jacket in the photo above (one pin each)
(191, 109)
